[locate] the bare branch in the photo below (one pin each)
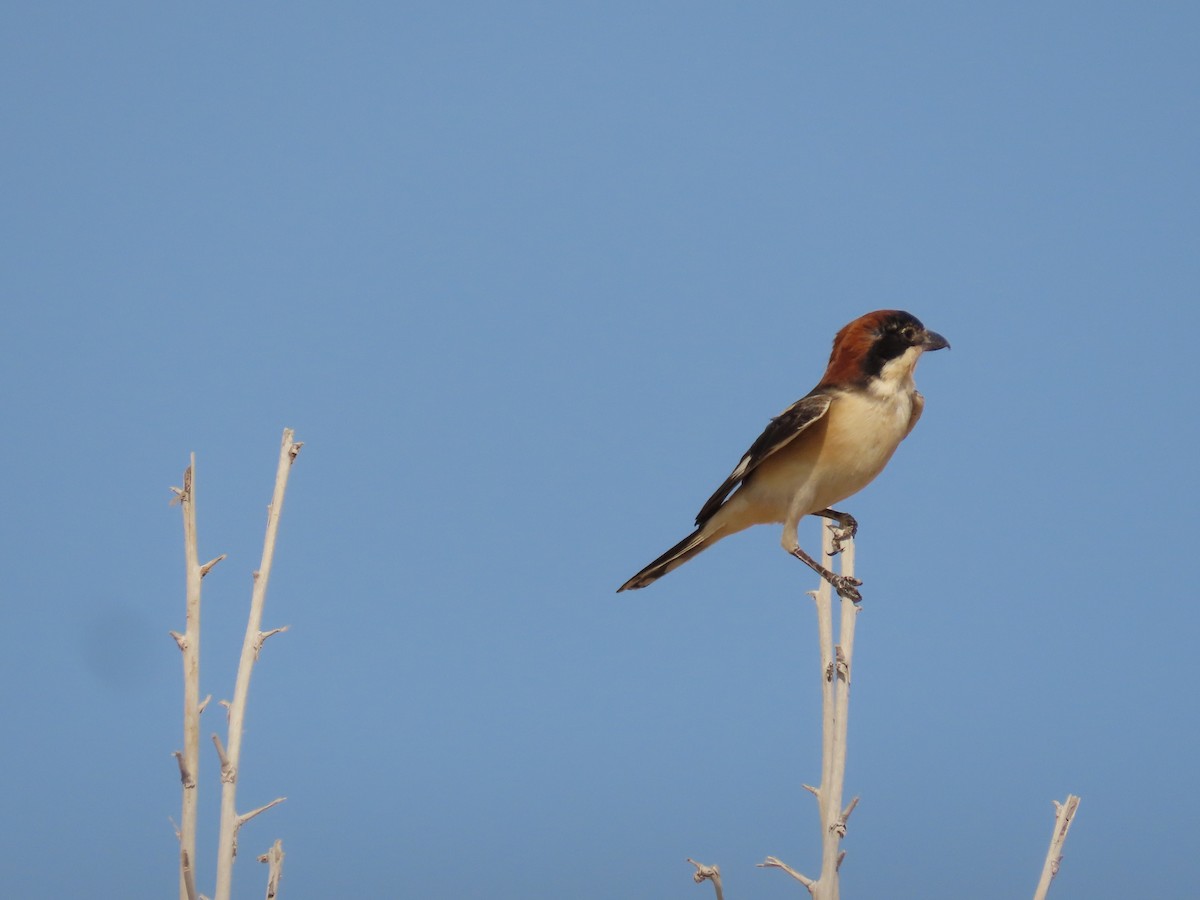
(251, 645)
(836, 667)
(189, 875)
(1064, 814)
(189, 646)
(708, 873)
(772, 862)
(846, 813)
(246, 817)
(262, 639)
(208, 566)
(274, 859)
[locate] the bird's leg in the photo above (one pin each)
(848, 529)
(843, 584)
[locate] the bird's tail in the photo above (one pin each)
(700, 539)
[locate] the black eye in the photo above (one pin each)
(908, 333)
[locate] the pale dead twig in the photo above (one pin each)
(251, 646)
(274, 860)
(772, 862)
(1064, 814)
(189, 646)
(836, 665)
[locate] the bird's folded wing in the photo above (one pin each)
(782, 429)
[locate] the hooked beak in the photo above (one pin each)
(934, 341)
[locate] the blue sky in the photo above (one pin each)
(527, 279)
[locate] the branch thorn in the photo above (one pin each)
(207, 567)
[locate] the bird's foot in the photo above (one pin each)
(845, 530)
(843, 584)
(846, 587)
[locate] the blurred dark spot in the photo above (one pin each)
(118, 648)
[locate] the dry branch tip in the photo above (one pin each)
(1064, 813)
(262, 638)
(246, 817)
(208, 566)
(705, 873)
(772, 862)
(274, 859)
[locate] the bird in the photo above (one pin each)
(825, 447)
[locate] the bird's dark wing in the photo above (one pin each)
(782, 429)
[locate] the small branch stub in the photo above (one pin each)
(185, 776)
(208, 566)
(840, 825)
(187, 870)
(228, 772)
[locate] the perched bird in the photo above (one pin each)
(823, 448)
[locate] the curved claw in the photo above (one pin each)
(847, 530)
(847, 587)
(840, 536)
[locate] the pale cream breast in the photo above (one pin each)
(863, 431)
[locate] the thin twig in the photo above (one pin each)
(230, 821)
(836, 664)
(262, 639)
(772, 862)
(189, 646)
(208, 566)
(1064, 814)
(246, 817)
(274, 859)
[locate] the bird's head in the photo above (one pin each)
(883, 344)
